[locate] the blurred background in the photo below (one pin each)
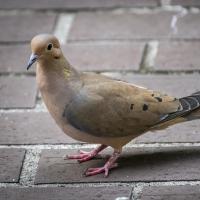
(154, 43)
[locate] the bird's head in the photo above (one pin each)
(44, 47)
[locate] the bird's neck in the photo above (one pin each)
(51, 73)
(58, 82)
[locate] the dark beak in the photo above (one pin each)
(32, 59)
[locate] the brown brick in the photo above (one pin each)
(14, 58)
(68, 193)
(105, 57)
(22, 27)
(17, 92)
(109, 25)
(75, 5)
(188, 27)
(184, 192)
(186, 2)
(135, 164)
(10, 164)
(31, 128)
(181, 56)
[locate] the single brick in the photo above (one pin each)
(135, 164)
(69, 193)
(181, 56)
(184, 192)
(14, 58)
(105, 57)
(75, 5)
(186, 2)
(10, 165)
(17, 92)
(188, 27)
(184, 132)
(110, 25)
(22, 27)
(22, 128)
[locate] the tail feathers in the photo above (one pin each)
(195, 114)
(189, 108)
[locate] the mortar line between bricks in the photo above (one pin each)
(123, 72)
(139, 9)
(29, 166)
(108, 41)
(139, 185)
(138, 188)
(85, 145)
(149, 56)
(63, 26)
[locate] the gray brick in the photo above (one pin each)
(10, 164)
(186, 2)
(135, 164)
(186, 192)
(59, 193)
(105, 57)
(181, 56)
(188, 27)
(76, 5)
(17, 92)
(14, 58)
(31, 128)
(107, 25)
(185, 132)
(22, 27)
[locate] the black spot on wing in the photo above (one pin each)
(159, 99)
(131, 106)
(145, 107)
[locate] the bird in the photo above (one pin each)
(97, 109)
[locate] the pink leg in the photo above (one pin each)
(111, 163)
(85, 156)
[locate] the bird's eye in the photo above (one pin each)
(49, 47)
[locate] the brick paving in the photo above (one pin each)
(105, 57)
(53, 193)
(11, 162)
(142, 164)
(113, 38)
(171, 192)
(22, 27)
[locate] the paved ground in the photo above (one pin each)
(149, 42)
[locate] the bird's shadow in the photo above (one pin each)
(153, 164)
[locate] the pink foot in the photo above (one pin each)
(98, 170)
(85, 156)
(110, 164)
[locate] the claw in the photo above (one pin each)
(85, 156)
(98, 170)
(110, 164)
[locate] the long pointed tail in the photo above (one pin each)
(195, 106)
(189, 110)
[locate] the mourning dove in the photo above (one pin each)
(96, 109)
